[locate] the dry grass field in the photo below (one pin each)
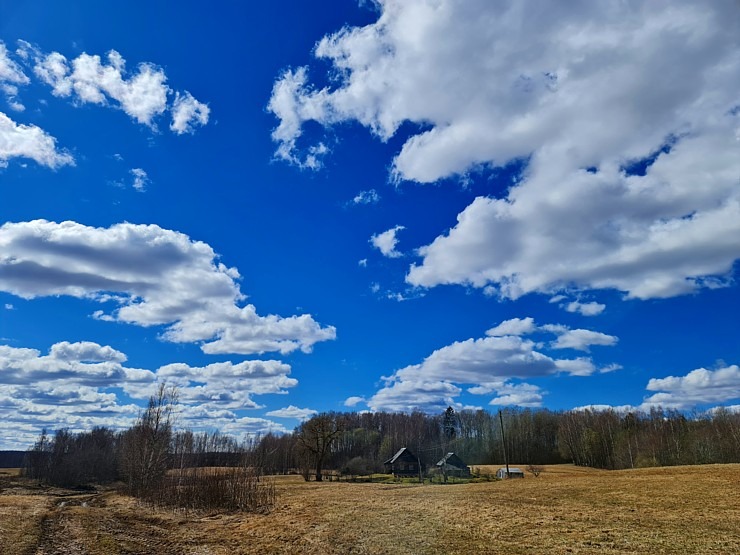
(678, 510)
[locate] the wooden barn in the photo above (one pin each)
(452, 465)
(403, 464)
(513, 473)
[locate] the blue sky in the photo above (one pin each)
(391, 205)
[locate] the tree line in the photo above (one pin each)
(161, 465)
(359, 443)
(155, 463)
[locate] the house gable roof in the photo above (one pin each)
(453, 460)
(402, 452)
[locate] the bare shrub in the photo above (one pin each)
(535, 469)
(144, 449)
(215, 488)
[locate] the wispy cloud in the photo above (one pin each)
(141, 179)
(366, 197)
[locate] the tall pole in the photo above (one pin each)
(503, 441)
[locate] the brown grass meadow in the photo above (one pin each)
(566, 510)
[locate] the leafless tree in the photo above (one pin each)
(316, 435)
(535, 469)
(145, 447)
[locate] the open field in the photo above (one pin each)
(566, 510)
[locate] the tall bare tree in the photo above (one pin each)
(317, 435)
(145, 447)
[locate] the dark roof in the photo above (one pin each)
(452, 459)
(400, 452)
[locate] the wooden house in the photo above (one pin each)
(403, 464)
(452, 465)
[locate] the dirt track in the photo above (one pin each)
(45, 521)
(87, 525)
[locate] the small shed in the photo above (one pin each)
(403, 464)
(452, 465)
(513, 473)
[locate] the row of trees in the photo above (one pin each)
(607, 439)
(156, 463)
(359, 443)
(164, 466)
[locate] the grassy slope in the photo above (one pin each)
(565, 510)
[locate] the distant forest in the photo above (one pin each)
(601, 439)
(12, 459)
(359, 443)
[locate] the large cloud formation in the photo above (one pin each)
(698, 387)
(79, 385)
(154, 276)
(489, 365)
(626, 116)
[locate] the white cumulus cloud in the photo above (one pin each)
(142, 94)
(579, 339)
(630, 181)
(488, 365)
(87, 78)
(521, 395)
(187, 113)
(292, 412)
(153, 276)
(515, 326)
(700, 386)
(353, 401)
(28, 141)
(11, 76)
(585, 309)
(386, 242)
(78, 385)
(10, 71)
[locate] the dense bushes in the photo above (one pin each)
(240, 488)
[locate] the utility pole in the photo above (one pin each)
(418, 458)
(503, 441)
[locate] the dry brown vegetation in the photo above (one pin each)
(689, 509)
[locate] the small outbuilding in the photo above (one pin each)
(452, 465)
(403, 464)
(513, 473)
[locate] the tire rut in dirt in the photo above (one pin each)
(55, 538)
